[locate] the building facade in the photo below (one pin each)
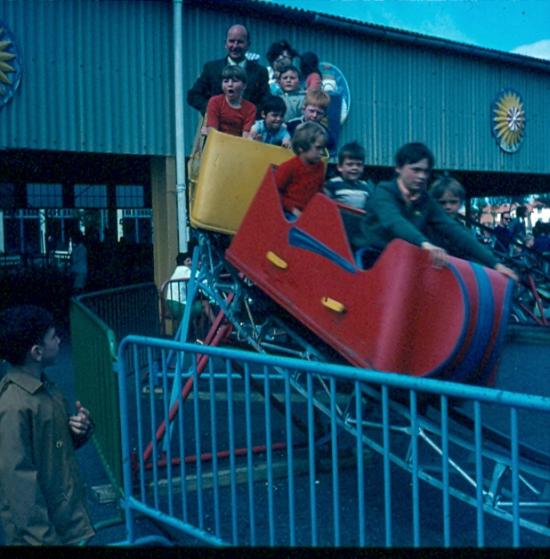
(87, 117)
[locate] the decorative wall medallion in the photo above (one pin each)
(508, 120)
(334, 81)
(10, 68)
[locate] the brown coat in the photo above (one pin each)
(42, 499)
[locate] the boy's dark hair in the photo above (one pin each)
(278, 48)
(309, 62)
(21, 328)
(446, 183)
(234, 72)
(413, 153)
(182, 256)
(274, 104)
(288, 67)
(305, 135)
(353, 150)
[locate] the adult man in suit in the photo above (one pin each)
(208, 83)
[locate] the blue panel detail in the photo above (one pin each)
(460, 340)
(299, 239)
(504, 320)
(483, 327)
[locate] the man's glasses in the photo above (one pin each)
(283, 57)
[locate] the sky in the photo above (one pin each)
(520, 26)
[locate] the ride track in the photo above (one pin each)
(403, 315)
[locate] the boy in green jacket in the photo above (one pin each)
(403, 209)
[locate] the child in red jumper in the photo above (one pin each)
(301, 177)
(229, 112)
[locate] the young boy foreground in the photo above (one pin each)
(42, 498)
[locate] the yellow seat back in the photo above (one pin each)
(231, 170)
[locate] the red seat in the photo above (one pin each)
(402, 315)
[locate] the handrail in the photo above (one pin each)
(347, 372)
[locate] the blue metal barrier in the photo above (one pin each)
(346, 457)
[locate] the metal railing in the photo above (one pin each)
(132, 309)
(346, 457)
(98, 321)
(94, 356)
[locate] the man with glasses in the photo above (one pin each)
(279, 55)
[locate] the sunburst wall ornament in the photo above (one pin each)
(508, 120)
(10, 68)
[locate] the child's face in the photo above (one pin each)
(49, 348)
(273, 120)
(232, 88)
(289, 81)
(312, 112)
(315, 152)
(413, 178)
(351, 169)
(451, 203)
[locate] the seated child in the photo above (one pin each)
(349, 188)
(301, 177)
(229, 112)
(309, 66)
(314, 109)
(292, 94)
(271, 129)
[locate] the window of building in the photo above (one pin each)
(129, 196)
(44, 195)
(7, 196)
(90, 196)
(135, 225)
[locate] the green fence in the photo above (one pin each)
(98, 322)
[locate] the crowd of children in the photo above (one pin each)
(296, 95)
(295, 114)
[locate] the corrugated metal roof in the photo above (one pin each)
(97, 76)
(400, 92)
(382, 32)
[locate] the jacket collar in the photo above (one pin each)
(414, 205)
(231, 62)
(27, 382)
